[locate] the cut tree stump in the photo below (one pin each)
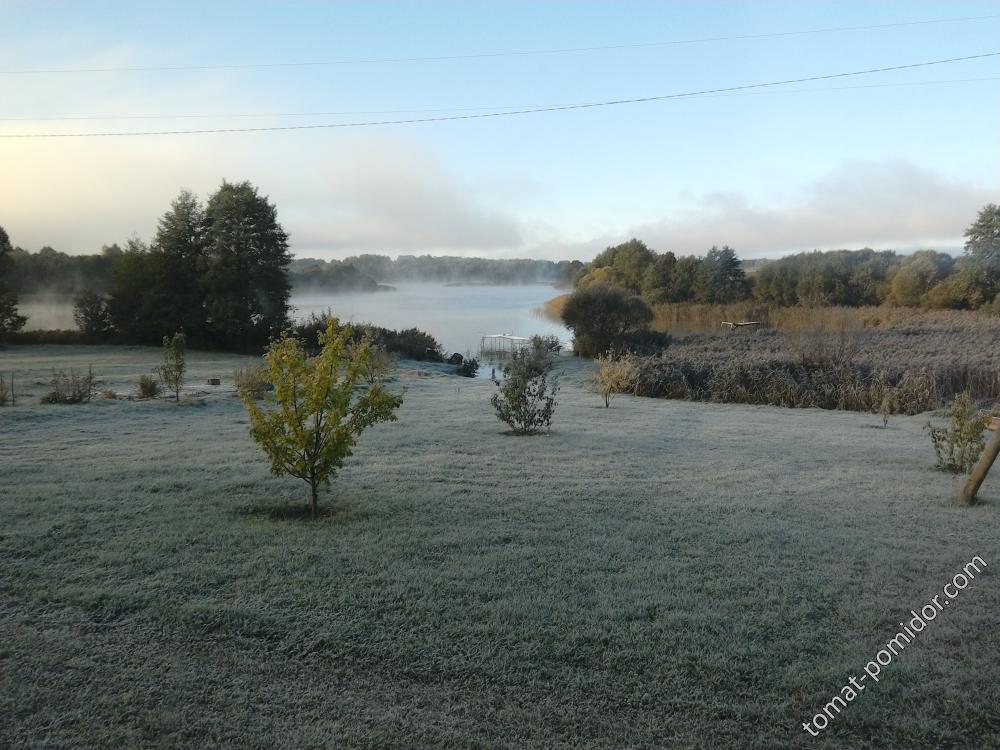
(968, 494)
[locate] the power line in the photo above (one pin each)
(480, 55)
(525, 111)
(224, 115)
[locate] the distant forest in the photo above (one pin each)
(203, 273)
(52, 272)
(368, 271)
(853, 278)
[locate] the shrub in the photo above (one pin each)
(468, 368)
(319, 415)
(376, 366)
(149, 387)
(71, 388)
(409, 343)
(6, 392)
(251, 382)
(614, 376)
(644, 343)
(526, 398)
(92, 315)
(959, 445)
(551, 344)
(172, 370)
(601, 315)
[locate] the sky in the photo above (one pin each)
(900, 159)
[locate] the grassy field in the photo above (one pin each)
(658, 574)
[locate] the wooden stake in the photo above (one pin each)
(968, 494)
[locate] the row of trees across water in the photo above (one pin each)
(926, 278)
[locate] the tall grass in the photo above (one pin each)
(891, 370)
(678, 318)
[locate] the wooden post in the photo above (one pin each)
(968, 494)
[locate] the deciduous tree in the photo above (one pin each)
(318, 414)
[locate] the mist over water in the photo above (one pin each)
(457, 316)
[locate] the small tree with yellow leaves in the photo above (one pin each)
(319, 408)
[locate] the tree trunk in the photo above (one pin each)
(313, 498)
(968, 494)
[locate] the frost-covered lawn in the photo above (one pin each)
(661, 573)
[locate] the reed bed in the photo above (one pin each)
(890, 370)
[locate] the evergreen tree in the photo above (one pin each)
(721, 278)
(245, 282)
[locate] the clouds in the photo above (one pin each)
(385, 192)
(362, 194)
(893, 204)
(388, 195)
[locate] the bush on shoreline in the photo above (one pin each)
(409, 343)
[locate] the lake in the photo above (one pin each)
(457, 316)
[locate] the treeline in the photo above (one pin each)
(51, 272)
(217, 272)
(451, 269)
(664, 277)
(853, 278)
(335, 275)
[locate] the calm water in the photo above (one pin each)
(457, 316)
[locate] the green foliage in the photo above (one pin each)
(180, 246)
(720, 278)
(319, 412)
(839, 277)
(601, 315)
(10, 321)
(442, 269)
(71, 388)
(658, 278)
(550, 344)
(468, 368)
(376, 366)
(409, 343)
(149, 387)
(526, 396)
(717, 278)
(52, 272)
(245, 286)
(174, 365)
(92, 315)
(959, 445)
(218, 273)
(333, 276)
(982, 253)
(916, 275)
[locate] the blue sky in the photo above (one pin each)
(768, 173)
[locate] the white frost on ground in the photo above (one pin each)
(732, 564)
